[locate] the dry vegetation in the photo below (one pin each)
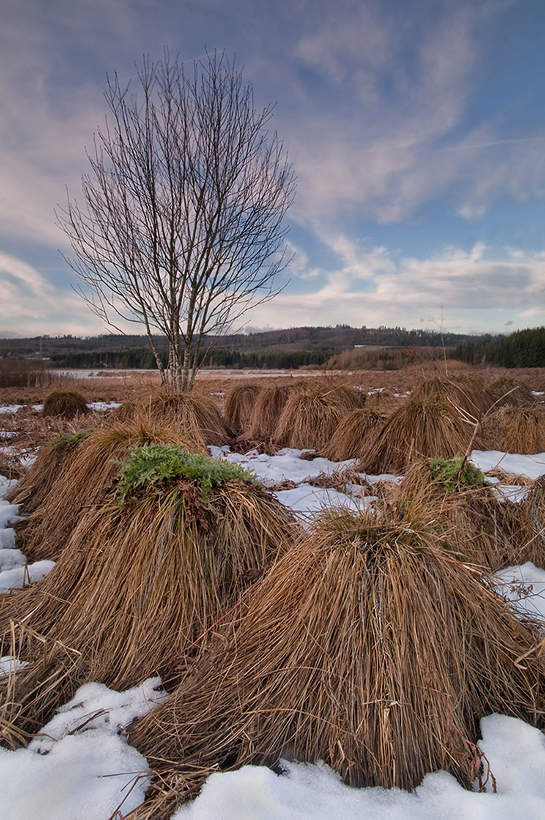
(291, 663)
(324, 686)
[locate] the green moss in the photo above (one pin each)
(153, 466)
(449, 473)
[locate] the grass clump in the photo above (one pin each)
(151, 467)
(66, 404)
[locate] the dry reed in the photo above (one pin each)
(365, 646)
(136, 589)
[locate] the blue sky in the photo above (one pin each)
(416, 129)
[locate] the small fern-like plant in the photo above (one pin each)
(152, 466)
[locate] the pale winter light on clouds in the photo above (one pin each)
(417, 132)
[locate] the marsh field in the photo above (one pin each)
(287, 595)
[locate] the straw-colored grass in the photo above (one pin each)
(419, 428)
(366, 646)
(195, 415)
(468, 514)
(506, 390)
(308, 420)
(463, 391)
(52, 459)
(65, 404)
(86, 470)
(518, 429)
(239, 404)
(348, 440)
(138, 585)
(266, 412)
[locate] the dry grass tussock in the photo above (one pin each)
(461, 391)
(531, 530)
(72, 477)
(309, 419)
(139, 584)
(66, 404)
(195, 415)
(419, 428)
(266, 411)
(519, 429)
(510, 391)
(348, 440)
(365, 646)
(468, 516)
(239, 403)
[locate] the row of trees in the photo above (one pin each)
(181, 227)
(525, 348)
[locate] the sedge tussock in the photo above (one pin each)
(308, 420)
(196, 416)
(519, 429)
(506, 390)
(266, 411)
(365, 646)
(90, 467)
(348, 440)
(140, 583)
(461, 390)
(66, 404)
(239, 404)
(419, 428)
(468, 515)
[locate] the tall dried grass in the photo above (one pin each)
(419, 428)
(239, 404)
(348, 440)
(195, 415)
(514, 429)
(66, 404)
(135, 590)
(266, 411)
(79, 483)
(365, 646)
(465, 391)
(309, 419)
(507, 390)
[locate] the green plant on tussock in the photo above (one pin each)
(73, 438)
(152, 466)
(453, 474)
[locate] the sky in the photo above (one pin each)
(416, 129)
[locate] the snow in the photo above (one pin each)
(81, 767)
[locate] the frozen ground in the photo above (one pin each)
(81, 768)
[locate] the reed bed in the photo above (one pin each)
(419, 428)
(143, 578)
(73, 477)
(366, 646)
(514, 429)
(66, 404)
(239, 404)
(349, 439)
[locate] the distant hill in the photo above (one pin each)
(289, 348)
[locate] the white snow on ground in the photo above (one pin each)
(81, 768)
(514, 750)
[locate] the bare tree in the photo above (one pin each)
(182, 227)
